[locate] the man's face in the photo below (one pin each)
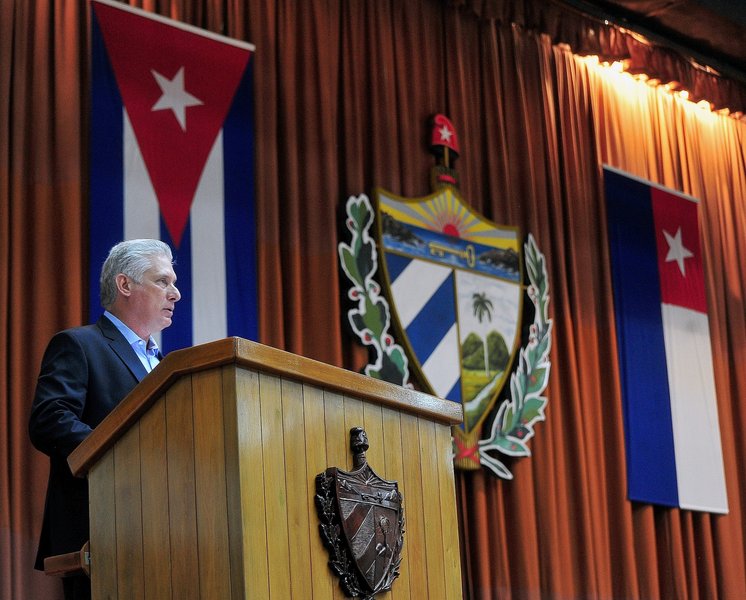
(152, 300)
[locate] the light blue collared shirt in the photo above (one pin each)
(147, 353)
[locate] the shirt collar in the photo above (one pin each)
(131, 337)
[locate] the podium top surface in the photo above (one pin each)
(261, 358)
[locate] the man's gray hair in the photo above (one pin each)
(133, 258)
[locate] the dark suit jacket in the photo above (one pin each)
(86, 371)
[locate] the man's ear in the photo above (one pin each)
(124, 284)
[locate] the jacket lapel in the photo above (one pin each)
(121, 348)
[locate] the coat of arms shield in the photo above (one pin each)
(362, 523)
(455, 284)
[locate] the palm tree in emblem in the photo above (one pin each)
(483, 308)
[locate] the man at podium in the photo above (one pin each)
(85, 372)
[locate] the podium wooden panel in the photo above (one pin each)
(202, 479)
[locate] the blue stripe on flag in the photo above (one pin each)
(179, 334)
(240, 222)
(106, 167)
(651, 466)
(434, 321)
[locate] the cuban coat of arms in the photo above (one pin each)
(455, 290)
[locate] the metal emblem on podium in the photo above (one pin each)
(362, 523)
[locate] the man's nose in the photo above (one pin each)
(174, 293)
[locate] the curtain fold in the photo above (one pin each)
(43, 116)
(343, 91)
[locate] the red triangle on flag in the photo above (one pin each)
(680, 267)
(177, 85)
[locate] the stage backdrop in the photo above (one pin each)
(342, 93)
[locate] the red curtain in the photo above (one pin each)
(343, 92)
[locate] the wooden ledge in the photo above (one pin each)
(261, 358)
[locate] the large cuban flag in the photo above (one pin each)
(172, 158)
(674, 454)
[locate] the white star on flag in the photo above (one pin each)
(174, 97)
(676, 250)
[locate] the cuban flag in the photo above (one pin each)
(172, 159)
(674, 454)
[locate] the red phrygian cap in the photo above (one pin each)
(444, 133)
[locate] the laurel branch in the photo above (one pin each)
(514, 422)
(371, 318)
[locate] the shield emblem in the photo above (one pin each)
(362, 523)
(454, 281)
(369, 509)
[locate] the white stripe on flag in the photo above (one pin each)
(442, 367)
(415, 286)
(141, 211)
(209, 318)
(142, 220)
(699, 460)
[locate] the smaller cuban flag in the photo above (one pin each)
(172, 159)
(672, 434)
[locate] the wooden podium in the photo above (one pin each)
(202, 479)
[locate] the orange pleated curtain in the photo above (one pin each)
(343, 93)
